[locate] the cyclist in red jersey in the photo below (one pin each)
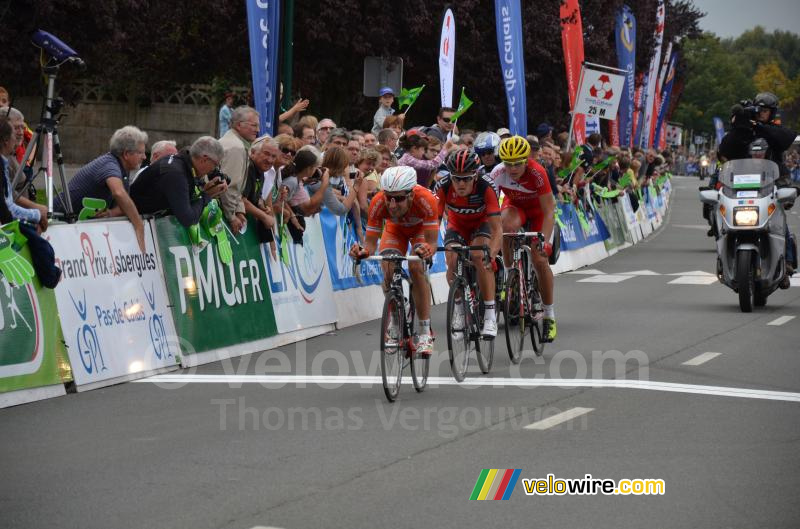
(529, 203)
(410, 212)
(473, 219)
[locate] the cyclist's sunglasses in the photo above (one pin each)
(463, 178)
(398, 199)
(515, 163)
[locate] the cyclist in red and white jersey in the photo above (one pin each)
(528, 204)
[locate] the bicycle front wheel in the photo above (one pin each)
(484, 349)
(537, 325)
(458, 329)
(516, 322)
(392, 350)
(419, 363)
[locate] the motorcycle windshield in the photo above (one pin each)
(748, 178)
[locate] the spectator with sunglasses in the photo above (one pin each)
(410, 213)
(529, 204)
(470, 201)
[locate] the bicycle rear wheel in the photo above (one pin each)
(458, 332)
(499, 301)
(483, 348)
(516, 322)
(392, 348)
(419, 363)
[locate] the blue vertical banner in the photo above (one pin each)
(508, 16)
(626, 58)
(665, 95)
(719, 129)
(263, 27)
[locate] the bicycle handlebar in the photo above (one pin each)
(524, 234)
(463, 250)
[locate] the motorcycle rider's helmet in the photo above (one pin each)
(767, 100)
(758, 149)
(487, 143)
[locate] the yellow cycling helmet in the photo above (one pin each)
(514, 148)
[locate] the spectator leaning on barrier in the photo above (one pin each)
(157, 151)
(293, 201)
(32, 222)
(342, 195)
(174, 185)
(106, 177)
(236, 144)
(263, 154)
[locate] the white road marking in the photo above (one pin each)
(781, 320)
(606, 278)
(558, 418)
(703, 227)
(588, 272)
(693, 273)
(497, 382)
(795, 281)
(701, 359)
(694, 280)
(640, 273)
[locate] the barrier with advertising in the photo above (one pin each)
(215, 305)
(575, 235)
(302, 294)
(111, 301)
(32, 353)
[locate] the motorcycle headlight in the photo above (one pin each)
(745, 216)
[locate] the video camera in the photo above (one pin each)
(55, 48)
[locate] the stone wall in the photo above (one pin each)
(182, 115)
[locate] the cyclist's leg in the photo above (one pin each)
(545, 276)
(485, 281)
(422, 293)
(512, 218)
(452, 237)
(393, 241)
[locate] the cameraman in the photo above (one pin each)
(174, 183)
(753, 120)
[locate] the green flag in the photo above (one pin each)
(408, 96)
(576, 161)
(596, 168)
(463, 105)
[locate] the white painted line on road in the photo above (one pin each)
(640, 273)
(606, 278)
(781, 320)
(703, 227)
(558, 418)
(701, 359)
(589, 272)
(698, 273)
(173, 380)
(694, 280)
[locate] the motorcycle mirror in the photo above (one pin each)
(786, 194)
(708, 197)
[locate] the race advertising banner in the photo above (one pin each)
(600, 94)
(574, 235)
(263, 29)
(32, 352)
(111, 301)
(572, 43)
(674, 134)
(664, 103)
(339, 236)
(447, 58)
(626, 56)
(649, 93)
(215, 305)
(508, 18)
(300, 283)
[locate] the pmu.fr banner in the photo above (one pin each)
(214, 304)
(572, 42)
(447, 57)
(114, 311)
(263, 29)
(300, 283)
(626, 57)
(32, 352)
(508, 18)
(339, 236)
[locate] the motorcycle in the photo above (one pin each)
(748, 211)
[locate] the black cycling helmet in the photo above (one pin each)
(463, 162)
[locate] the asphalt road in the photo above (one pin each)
(226, 451)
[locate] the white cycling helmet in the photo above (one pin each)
(397, 179)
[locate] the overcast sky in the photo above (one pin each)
(731, 18)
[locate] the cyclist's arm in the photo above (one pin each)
(548, 205)
(371, 242)
(496, 241)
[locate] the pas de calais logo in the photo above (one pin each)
(495, 484)
(602, 88)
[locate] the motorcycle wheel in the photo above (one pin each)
(745, 280)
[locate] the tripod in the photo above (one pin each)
(47, 133)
